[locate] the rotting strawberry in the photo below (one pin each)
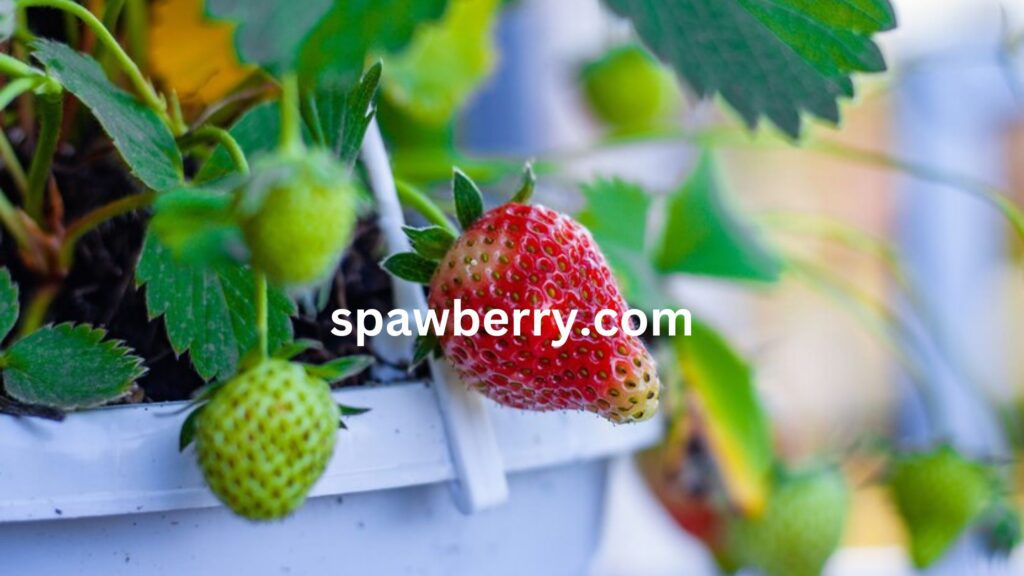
(297, 214)
(264, 437)
(522, 257)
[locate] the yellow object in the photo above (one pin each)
(193, 55)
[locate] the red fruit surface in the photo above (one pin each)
(518, 257)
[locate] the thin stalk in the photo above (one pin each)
(261, 313)
(35, 311)
(291, 118)
(225, 139)
(11, 220)
(16, 88)
(93, 219)
(11, 66)
(145, 90)
(51, 112)
(13, 165)
(410, 196)
(136, 14)
(311, 116)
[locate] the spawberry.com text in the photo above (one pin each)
(461, 322)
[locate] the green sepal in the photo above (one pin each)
(410, 266)
(340, 368)
(432, 242)
(529, 183)
(198, 226)
(187, 435)
(469, 201)
(426, 344)
(290, 350)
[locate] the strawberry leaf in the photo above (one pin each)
(445, 62)
(616, 214)
(139, 135)
(9, 308)
(702, 235)
(469, 201)
(326, 42)
(410, 266)
(344, 116)
(773, 58)
(340, 368)
(198, 225)
(208, 310)
(432, 242)
(737, 427)
(69, 367)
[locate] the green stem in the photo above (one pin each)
(311, 116)
(225, 139)
(410, 196)
(92, 219)
(35, 311)
(50, 112)
(261, 313)
(16, 88)
(291, 118)
(13, 165)
(142, 86)
(11, 66)
(136, 14)
(11, 220)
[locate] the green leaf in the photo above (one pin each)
(198, 225)
(446, 62)
(469, 202)
(773, 58)
(208, 311)
(410, 266)
(143, 140)
(69, 367)
(8, 19)
(9, 307)
(616, 214)
(703, 236)
(738, 429)
(326, 42)
(256, 131)
(432, 242)
(340, 368)
(188, 428)
(344, 116)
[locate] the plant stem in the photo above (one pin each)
(16, 88)
(12, 164)
(51, 112)
(11, 66)
(291, 118)
(225, 139)
(92, 219)
(136, 14)
(261, 313)
(149, 96)
(409, 195)
(35, 311)
(11, 220)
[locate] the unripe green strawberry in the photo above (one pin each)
(297, 214)
(938, 494)
(800, 528)
(266, 437)
(629, 89)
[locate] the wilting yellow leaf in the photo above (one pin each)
(192, 55)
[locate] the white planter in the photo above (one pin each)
(107, 492)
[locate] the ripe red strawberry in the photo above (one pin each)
(521, 257)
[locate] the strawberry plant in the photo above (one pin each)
(183, 203)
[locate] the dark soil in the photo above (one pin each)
(100, 288)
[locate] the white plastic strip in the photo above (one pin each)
(480, 473)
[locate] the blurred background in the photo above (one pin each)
(930, 351)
